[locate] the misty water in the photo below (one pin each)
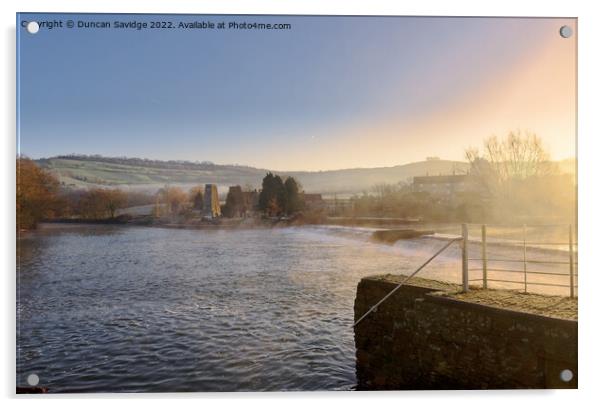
(113, 309)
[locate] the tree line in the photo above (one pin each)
(36, 194)
(173, 201)
(511, 177)
(40, 196)
(510, 180)
(278, 197)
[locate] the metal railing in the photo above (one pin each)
(375, 306)
(525, 272)
(464, 244)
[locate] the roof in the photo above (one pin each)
(440, 179)
(312, 197)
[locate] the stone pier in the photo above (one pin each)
(427, 337)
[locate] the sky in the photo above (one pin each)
(328, 93)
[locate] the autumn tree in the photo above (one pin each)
(36, 194)
(195, 197)
(115, 199)
(92, 205)
(172, 198)
(99, 203)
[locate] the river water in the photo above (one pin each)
(115, 309)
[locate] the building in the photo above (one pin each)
(211, 207)
(251, 202)
(442, 186)
(235, 206)
(239, 203)
(338, 206)
(314, 202)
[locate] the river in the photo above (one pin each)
(134, 309)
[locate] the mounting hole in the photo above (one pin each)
(33, 27)
(566, 31)
(566, 375)
(33, 379)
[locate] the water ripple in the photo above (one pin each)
(114, 309)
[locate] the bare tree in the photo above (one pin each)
(517, 157)
(195, 196)
(173, 199)
(382, 190)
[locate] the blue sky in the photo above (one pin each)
(331, 92)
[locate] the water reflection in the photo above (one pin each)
(110, 308)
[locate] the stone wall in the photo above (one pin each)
(420, 340)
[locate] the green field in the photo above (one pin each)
(94, 171)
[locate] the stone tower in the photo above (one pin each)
(211, 207)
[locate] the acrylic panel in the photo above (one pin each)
(272, 203)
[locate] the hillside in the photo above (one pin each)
(90, 171)
(84, 172)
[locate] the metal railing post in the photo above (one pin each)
(525, 255)
(571, 264)
(484, 253)
(464, 258)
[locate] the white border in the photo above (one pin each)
(590, 204)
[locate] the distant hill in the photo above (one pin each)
(357, 180)
(78, 171)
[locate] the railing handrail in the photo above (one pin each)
(374, 307)
(465, 269)
(572, 262)
(520, 225)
